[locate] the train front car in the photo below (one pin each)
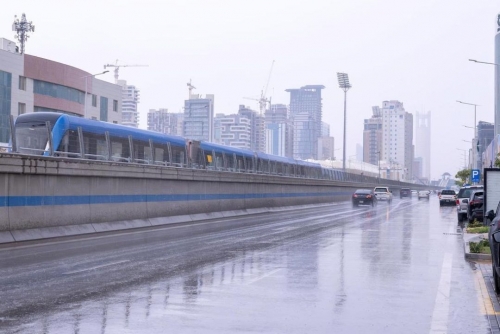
(32, 132)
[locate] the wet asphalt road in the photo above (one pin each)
(395, 268)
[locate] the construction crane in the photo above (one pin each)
(117, 67)
(190, 88)
(263, 100)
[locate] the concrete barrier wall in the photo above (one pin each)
(46, 197)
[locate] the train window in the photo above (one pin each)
(230, 163)
(95, 146)
(160, 155)
(178, 156)
(142, 151)
(120, 150)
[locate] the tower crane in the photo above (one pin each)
(190, 88)
(117, 67)
(263, 100)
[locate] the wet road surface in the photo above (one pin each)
(395, 268)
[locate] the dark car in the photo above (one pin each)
(405, 192)
(493, 218)
(475, 206)
(364, 196)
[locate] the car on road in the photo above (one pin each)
(447, 197)
(463, 199)
(493, 219)
(424, 194)
(364, 196)
(475, 206)
(405, 192)
(383, 194)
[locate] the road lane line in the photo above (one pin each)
(439, 323)
(264, 276)
(96, 267)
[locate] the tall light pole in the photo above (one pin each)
(474, 151)
(85, 96)
(343, 79)
(378, 152)
(496, 128)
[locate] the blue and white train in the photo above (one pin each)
(61, 135)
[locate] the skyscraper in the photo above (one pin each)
(130, 99)
(257, 134)
(306, 113)
(199, 117)
(160, 120)
(397, 138)
(372, 137)
(233, 130)
(279, 131)
(423, 143)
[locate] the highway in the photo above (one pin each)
(395, 268)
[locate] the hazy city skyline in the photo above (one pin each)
(392, 51)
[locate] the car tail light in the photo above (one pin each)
(458, 202)
(355, 196)
(368, 196)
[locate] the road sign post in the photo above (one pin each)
(476, 176)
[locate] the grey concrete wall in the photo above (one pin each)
(45, 197)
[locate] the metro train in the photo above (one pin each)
(62, 135)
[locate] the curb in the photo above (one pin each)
(474, 256)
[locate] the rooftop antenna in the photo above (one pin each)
(22, 28)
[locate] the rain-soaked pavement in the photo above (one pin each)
(395, 268)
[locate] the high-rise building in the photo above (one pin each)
(397, 138)
(199, 117)
(160, 120)
(359, 152)
(485, 132)
(372, 137)
(423, 143)
(257, 134)
(279, 131)
(130, 99)
(305, 114)
(233, 130)
(325, 129)
(326, 148)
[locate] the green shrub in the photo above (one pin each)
(475, 223)
(479, 247)
(481, 229)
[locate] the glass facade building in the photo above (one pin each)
(306, 113)
(5, 103)
(58, 91)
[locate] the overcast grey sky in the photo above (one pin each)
(412, 51)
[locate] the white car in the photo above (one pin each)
(383, 194)
(424, 194)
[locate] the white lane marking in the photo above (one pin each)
(439, 323)
(263, 276)
(96, 267)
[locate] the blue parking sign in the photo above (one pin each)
(476, 175)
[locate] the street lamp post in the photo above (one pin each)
(343, 79)
(85, 96)
(378, 152)
(474, 159)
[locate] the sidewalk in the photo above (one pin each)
(484, 279)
